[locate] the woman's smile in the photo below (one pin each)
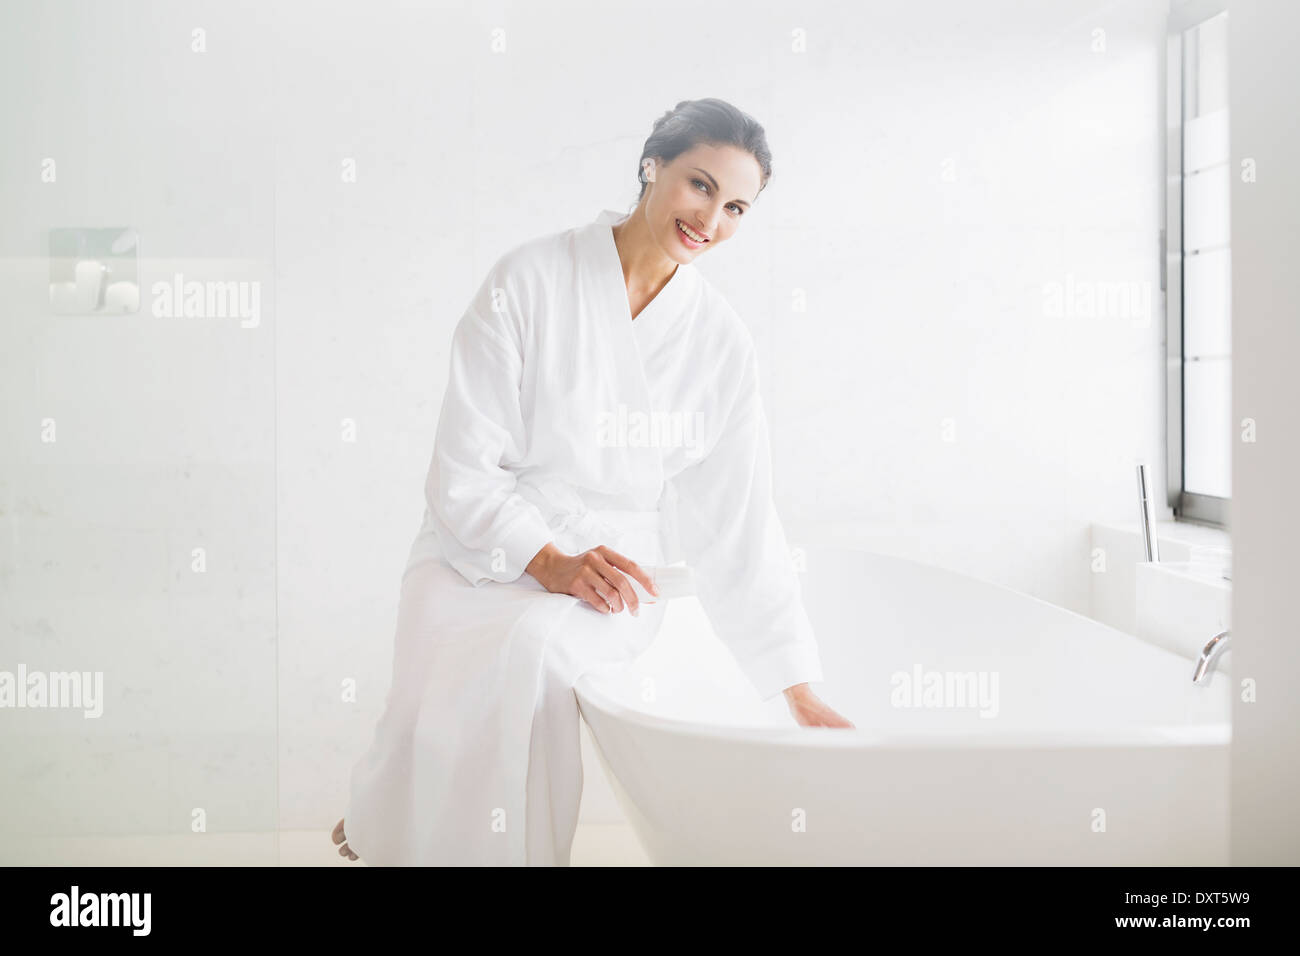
(691, 238)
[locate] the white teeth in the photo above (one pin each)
(689, 231)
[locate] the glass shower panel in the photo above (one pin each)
(138, 657)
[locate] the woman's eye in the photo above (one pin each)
(700, 182)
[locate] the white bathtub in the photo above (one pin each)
(1101, 750)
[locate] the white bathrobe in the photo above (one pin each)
(566, 420)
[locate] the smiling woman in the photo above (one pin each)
(541, 530)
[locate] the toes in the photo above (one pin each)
(339, 837)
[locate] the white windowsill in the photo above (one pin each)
(1181, 534)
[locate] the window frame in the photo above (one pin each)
(1187, 506)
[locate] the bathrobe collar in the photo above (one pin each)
(664, 308)
(659, 326)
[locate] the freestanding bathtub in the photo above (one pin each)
(991, 728)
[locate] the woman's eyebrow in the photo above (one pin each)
(715, 183)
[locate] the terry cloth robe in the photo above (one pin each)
(565, 420)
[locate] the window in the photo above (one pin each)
(1197, 274)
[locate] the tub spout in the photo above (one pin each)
(1209, 655)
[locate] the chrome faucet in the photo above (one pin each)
(1147, 516)
(1209, 655)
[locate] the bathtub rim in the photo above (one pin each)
(590, 694)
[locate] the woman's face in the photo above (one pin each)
(707, 189)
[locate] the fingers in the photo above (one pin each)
(602, 585)
(588, 591)
(630, 566)
(598, 592)
(611, 585)
(822, 716)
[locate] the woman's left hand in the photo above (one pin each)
(809, 710)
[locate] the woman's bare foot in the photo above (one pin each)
(339, 837)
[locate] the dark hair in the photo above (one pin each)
(710, 121)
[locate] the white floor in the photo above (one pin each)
(611, 844)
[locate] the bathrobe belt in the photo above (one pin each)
(581, 531)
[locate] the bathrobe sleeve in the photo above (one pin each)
(494, 532)
(733, 540)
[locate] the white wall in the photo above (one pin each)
(1264, 75)
(937, 167)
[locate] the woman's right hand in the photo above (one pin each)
(596, 576)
